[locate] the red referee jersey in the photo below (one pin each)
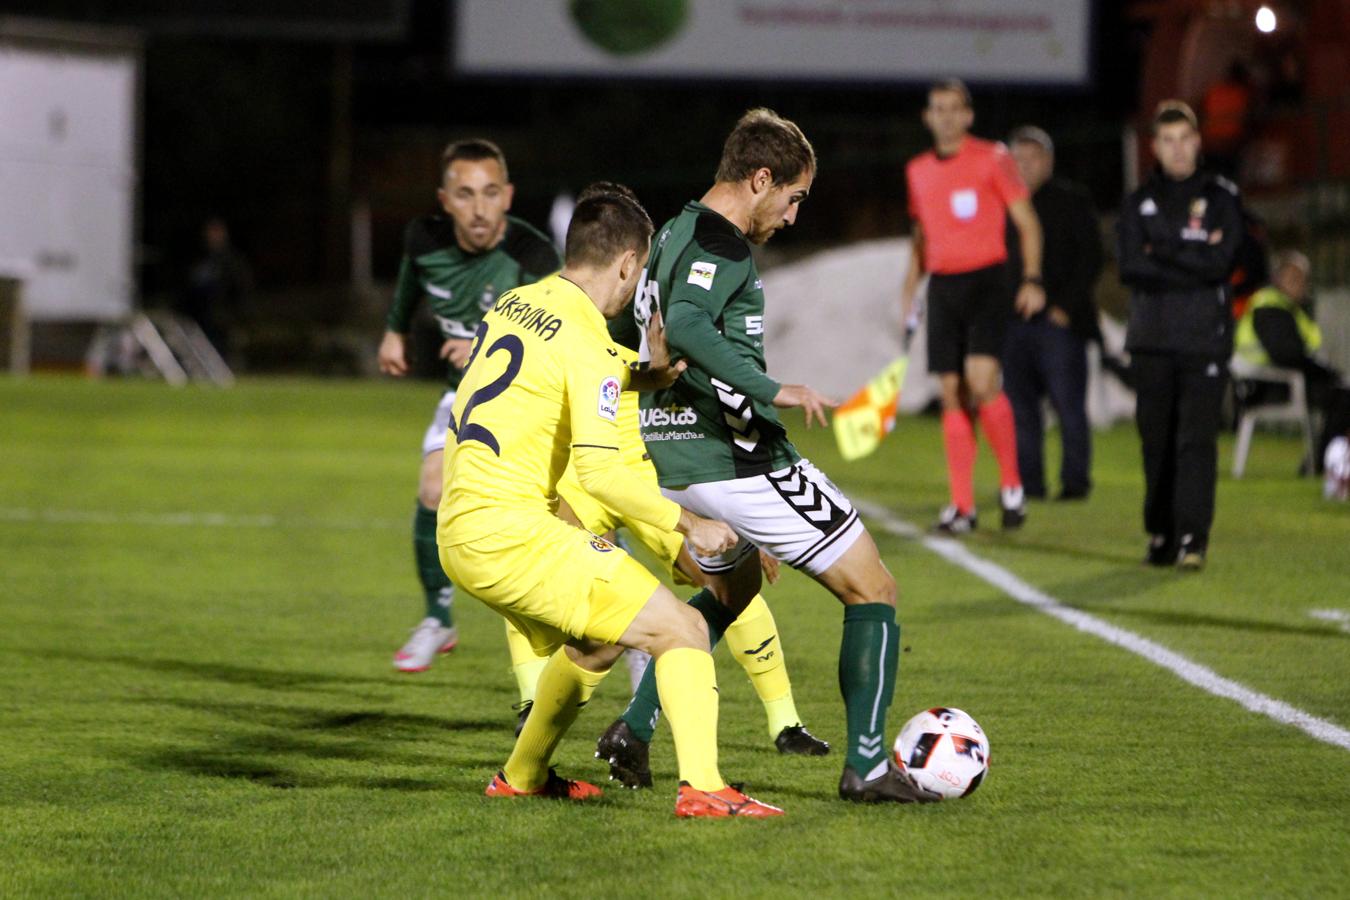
(962, 202)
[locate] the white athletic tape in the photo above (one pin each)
(191, 520)
(1202, 677)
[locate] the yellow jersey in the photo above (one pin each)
(543, 378)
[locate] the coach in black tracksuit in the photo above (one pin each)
(1179, 236)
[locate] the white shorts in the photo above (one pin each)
(796, 515)
(434, 439)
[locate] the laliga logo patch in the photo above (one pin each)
(608, 404)
(600, 544)
(701, 274)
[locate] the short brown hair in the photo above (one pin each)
(1170, 112)
(473, 150)
(607, 188)
(607, 221)
(954, 86)
(762, 139)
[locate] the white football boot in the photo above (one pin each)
(429, 638)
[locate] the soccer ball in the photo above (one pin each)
(945, 751)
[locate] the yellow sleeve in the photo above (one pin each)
(595, 379)
(608, 480)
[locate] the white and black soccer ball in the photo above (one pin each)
(945, 751)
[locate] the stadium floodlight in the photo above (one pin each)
(1265, 20)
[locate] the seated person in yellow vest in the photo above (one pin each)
(542, 385)
(1278, 330)
(753, 638)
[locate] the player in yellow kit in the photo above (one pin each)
(542, 385)
(752, 640)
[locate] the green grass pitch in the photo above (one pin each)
(201, 591)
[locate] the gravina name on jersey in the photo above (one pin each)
(535, 318)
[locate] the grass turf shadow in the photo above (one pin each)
(250, 676)
(217, 764)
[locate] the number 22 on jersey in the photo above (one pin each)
(514, 349)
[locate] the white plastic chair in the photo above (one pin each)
(1294, 410)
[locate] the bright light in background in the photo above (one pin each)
(1265, 20)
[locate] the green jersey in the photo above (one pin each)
(461, 286)
(718, 421)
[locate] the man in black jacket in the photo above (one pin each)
(1178, 238)
(1046, 355)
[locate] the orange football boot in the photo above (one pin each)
(729, 801)
(556, 788)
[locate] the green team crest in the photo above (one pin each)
(623, 27)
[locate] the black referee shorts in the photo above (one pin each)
(968, 315)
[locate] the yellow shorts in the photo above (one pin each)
(553, 581)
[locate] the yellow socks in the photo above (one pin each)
(753, 640)
(525, 663)
(563, 688)
(687, 683)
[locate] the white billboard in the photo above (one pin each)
(991, 41)
(68, 177)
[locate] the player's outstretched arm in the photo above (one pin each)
(608, 480)
(692, 334)
(812, 402)
(393, 354)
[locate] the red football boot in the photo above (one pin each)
(729, 801)
(556, 788)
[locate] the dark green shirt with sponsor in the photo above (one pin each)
(718, 421)
(461, 286)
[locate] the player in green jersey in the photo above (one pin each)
(460, 260)
(720, 449)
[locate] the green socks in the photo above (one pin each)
(645, 706)
(867, 662)
(440, 593)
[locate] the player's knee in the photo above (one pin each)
(885, 590)
(687, 629)
(984, 392)
(593, 657)
(876, 586)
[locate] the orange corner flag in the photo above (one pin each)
(869, 415)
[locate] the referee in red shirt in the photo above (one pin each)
(960, 194)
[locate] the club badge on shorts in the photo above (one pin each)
(608, 404)
(599, 543)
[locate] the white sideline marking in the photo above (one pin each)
(188, 519)
(1187, 670)
(1339, 616)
